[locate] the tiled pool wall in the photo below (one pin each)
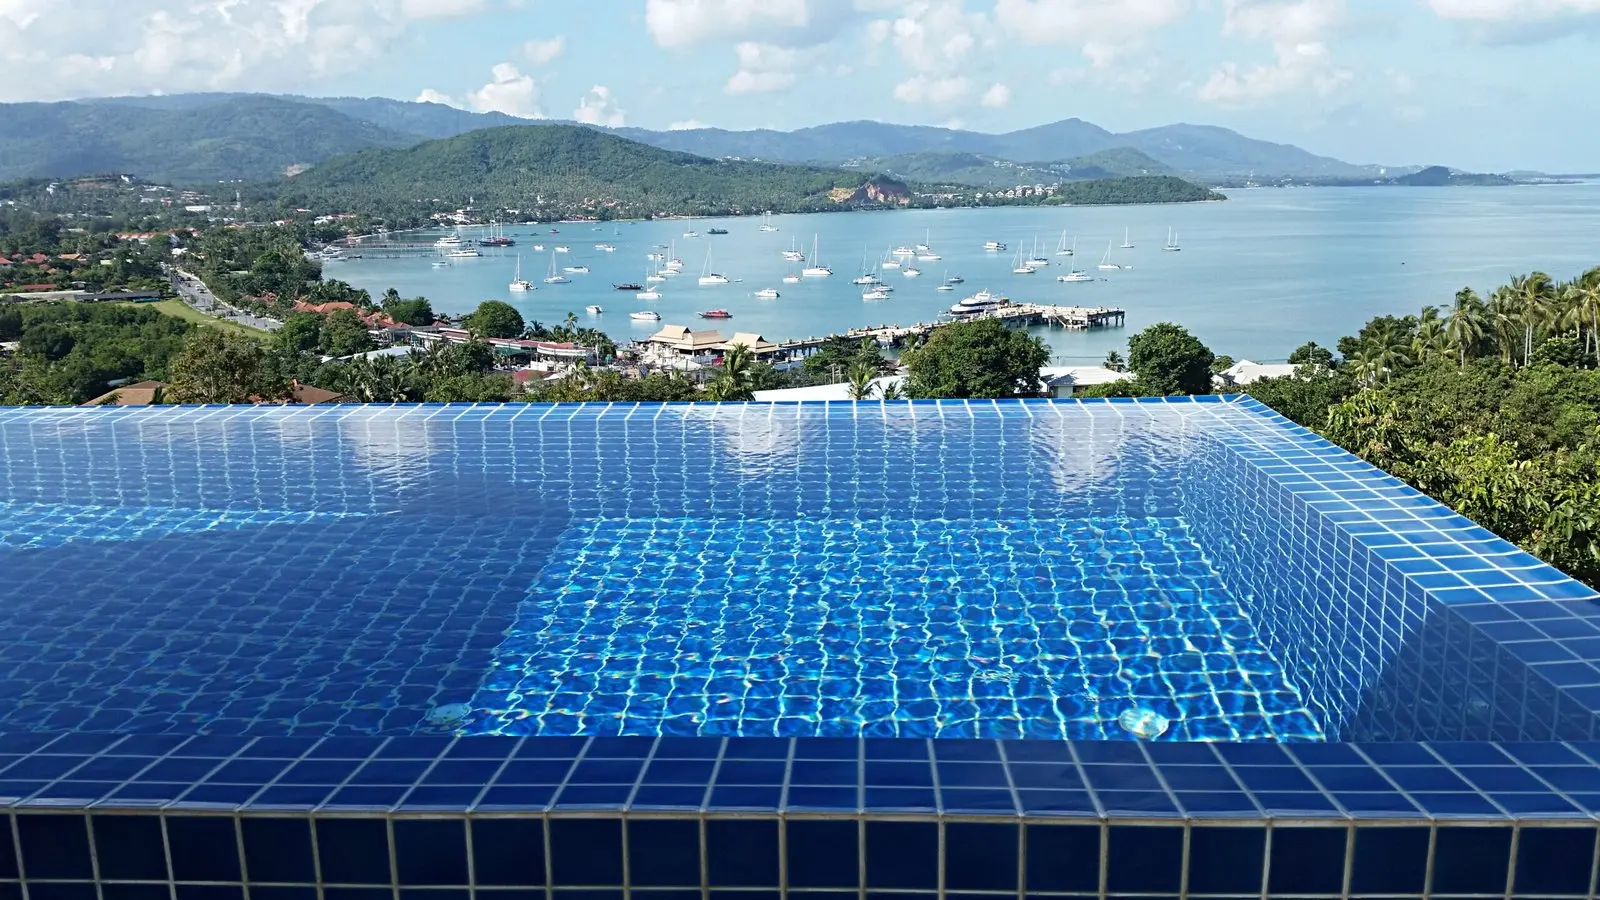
(1379, 655)
(98, 817)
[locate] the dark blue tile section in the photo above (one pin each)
(823, 853)
(508, 852)
(1227, 860)
(54, 846)
(130, 848)
(354, 851)
(902, 855)
(278, 849)
(1473, 860)
(430, 852)
(1307, 861)
(664, 852)
(1063, 858)
(586, 851)
(742, 852)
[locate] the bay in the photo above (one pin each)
(1257, 276)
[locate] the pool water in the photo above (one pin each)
(1025, 571)
(1048, 628)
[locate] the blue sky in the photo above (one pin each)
(1481, 84)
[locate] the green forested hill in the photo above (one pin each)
(991, 172)
(250, 137)
(566, 168)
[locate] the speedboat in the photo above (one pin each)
(994, 246)
(645, 315)
(711, 278)
(910, 272)
(563, 249)
(945, 287)
(716, 314)
(903, 250)
(576, 270)
(876, 294)
(593, 310)
(1075, 275)
(440, 264)
(767, 294)
(954, 279)
(630, 286)
(539, 247)
(648, 294)
(791, 279)
(605, 248)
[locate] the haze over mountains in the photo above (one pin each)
(191, 138)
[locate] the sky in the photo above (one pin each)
(1490, 85)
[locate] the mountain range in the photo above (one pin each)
(196, 138)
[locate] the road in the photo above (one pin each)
(194, 292)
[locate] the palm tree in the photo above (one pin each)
(1584, 308)
(1429, 339)
(861, 386)
(1387, 349)
(733, 382)
(1534, 294)
(1464, 325)
(1503, 317)
(1366, 365)
(1114, 362)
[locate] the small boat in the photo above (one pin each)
(927, 237)
(994, 246)
(708, 277)
(766, 223)
(628, 286)
(464, 253)
(717, 231)
(815, 268)
(593, 309)
(864, 279)
(518, 283)
(876, 294)
(767, 294)
(563, 249)
(945, 287)
(791, 278)
(910, 272)
(576, 270)
(555, 231)
(648, 294)
(554, 277)
(645, 315)
(691, 233)
(889, 262)
(656, 257)
(792, 254)
(539, 247)
(1021, 268)
(903, 250)
(1037, 261)
(1105, 261)
(1171, 245)
(954, 279)
(605, 248)
(1075, 275)
(928, 256)
(655, 278)
(1126, 243)
(449, 240)
(440, 264)
(716, 314)
(1062, 249)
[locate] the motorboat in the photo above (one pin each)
(767, 294)
(691, 233)
(903, 250)
(605, 248)
(717, 231)
(910, 272)
(593, 309)
(876, 294)
(716, 314)
(576, 270)
(954, 279)
(539, 247)
(791, 278)
(994, 246)
(648, 294)
(464, 253)
(627, 286)
(645, 315)
(1075, 275)
(440, 264)
(560, 249)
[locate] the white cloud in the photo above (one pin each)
(686, 125)
(1300, 58)
(790, 23)
(511, 92)
(934, 91)
(938, 36)
(96, 47)
(1500, 10)
(1085, 21)
(763, 68)
(997, 96)
(599, 107)
(543, 52)
(429, 95)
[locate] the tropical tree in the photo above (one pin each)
(1534, 297)
(1115, 362)
(1166, 359)
(1503, 322)
(218, 367)
(1429, 341)
(496, 319)
(1464, 325)
(861, 386)
(732, 382)
(978, 359)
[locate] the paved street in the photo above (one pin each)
(196, 294)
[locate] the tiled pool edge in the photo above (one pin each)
(1517, 680)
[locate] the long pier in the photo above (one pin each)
(1019, 315)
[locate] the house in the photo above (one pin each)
(305, 393)
(144, 393)
(1069, 381)
(5, 263)
(755, 343)
(1246, 372)
(679, 339)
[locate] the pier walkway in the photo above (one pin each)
(1019, 315)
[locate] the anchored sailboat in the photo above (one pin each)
(1105, 261)
(815, 269)
(1172, 241)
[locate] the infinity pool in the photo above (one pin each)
(1022, 570)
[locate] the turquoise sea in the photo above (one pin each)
(1257, 275)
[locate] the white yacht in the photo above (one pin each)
(440, 264)
(1126, 243)
(928, 256)
(555, 277)
(1171, 245)
(648, 293)
(766, 223)
(576, 270)
(463, 253)
(1075, 275)
(910, 272)
(563, 249)
(889, 262)
(518, 283)
(875, 294)
(945, 287)
(691, 233)
(953, 279)
(927, 236)
(646, 315)
(791, 278)
(767, 294)
(1021, 268)
(815, 268)
(1062, 249)
(448, 241)
(539, 247)
(1105, 261)
(994, 246)
(593, 309)
(605, 248)
(903, 250)
(655, 278)
(708, 277)
(1037, 261)
(793, 254)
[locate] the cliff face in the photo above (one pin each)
(880, 190)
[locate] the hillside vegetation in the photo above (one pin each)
(990, 172)
(564, 167)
